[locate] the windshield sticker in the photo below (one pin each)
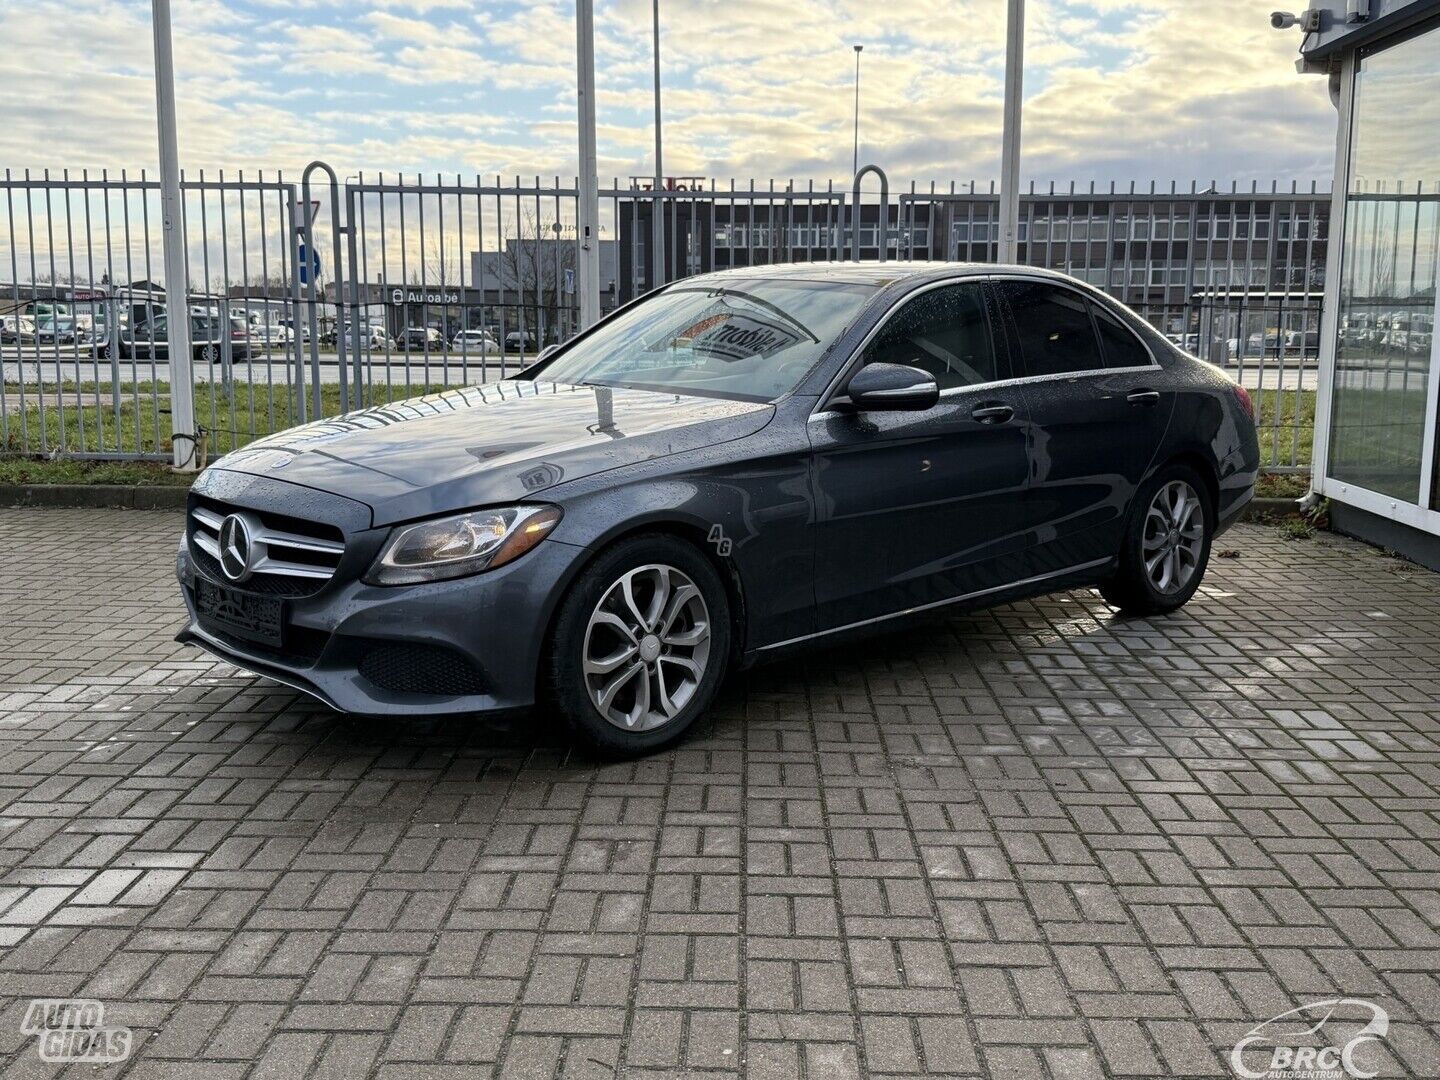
(731, 336)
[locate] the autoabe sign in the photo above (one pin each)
(423, 296)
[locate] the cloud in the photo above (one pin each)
(1116, 89)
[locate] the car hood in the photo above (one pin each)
(486, 445)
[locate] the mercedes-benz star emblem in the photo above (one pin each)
(235, 548)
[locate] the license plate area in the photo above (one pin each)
(240, 614)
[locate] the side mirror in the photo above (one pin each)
(892, 388)
(546, 352)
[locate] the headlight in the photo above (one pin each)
(452, 547)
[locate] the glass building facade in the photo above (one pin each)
(1386, 327)
(1376, 446)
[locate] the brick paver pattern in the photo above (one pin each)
(1034, 841)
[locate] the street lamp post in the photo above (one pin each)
(855, 158)
(1010, 139)
(587, 211)
(657, 211)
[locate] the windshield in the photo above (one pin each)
(748, 339)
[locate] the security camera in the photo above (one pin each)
(1308, 20)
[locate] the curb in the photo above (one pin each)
(1259, 508)
(143, 497)
(94, 496)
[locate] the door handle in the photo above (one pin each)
(1143, 397)
(993, 414)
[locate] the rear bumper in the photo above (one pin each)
(1230, 513)
(489, 627)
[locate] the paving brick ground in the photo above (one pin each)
(1037, 841)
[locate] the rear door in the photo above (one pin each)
(1098, 406)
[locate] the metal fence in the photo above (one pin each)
(310, 297)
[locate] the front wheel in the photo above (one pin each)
(640, 646)
(1166, 546)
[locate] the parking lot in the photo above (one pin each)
(1037, 841)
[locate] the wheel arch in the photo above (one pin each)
(689, 531)
(1203, 466)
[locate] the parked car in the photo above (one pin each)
(1266, 345)
(736, 466)
(517, 341)
(1302, 343)
(17, 330)
(242, 341)
(150, 339)
(300, 329)
(266, 333)
(58, 330)
(371, 337)
(478, 342)
(421, 339)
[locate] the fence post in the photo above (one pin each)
(315, 295)
(182, 380)
(295, 232)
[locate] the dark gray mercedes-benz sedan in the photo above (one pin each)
(731, 467)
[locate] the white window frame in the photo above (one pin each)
(1421, 515)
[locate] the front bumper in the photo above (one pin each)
(495, 620)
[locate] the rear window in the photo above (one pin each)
(1122, 348)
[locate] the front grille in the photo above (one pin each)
(287, 556)
(406, 667)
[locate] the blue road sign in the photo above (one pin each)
(309, 267)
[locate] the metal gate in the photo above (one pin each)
(86, 365)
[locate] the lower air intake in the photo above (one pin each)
(412, 668)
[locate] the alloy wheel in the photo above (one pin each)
(647, 647)
(1174, 537)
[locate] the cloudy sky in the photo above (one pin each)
(1115, 89)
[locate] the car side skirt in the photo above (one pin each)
(1052, 581)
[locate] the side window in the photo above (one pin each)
(1053, 328)
(1122, 348)
(945, 332)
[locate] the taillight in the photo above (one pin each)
(1243, 396)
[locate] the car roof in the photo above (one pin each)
(878, 274)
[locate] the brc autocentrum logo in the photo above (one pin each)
(74, 1029)
(1325, 1040)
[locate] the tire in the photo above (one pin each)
(1142, 585)
(598, 638)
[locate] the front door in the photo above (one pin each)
(915, 508)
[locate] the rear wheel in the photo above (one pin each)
(640, 646)
(1166, 546)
